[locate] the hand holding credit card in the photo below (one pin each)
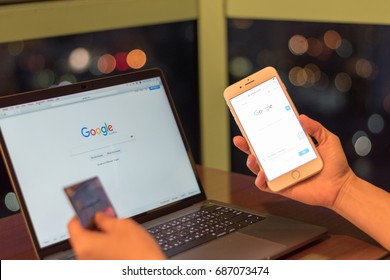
(88, 198)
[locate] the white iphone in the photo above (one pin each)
(269, 122)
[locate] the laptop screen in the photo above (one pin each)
(125, 134)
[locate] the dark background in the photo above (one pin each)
(358, 110)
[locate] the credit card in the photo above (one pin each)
(87, 198)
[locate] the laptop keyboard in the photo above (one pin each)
(194, 229)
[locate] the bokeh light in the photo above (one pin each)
(11, 202)
(375, 123)
(106, 64)
(345, 50)
(356, 136)
(306, 77)
(364, 68)
(298, 45)
(15, 48)
(67, 79)
(242, 23)
(136, 59)
(121, 61)
(93, 66)
(313, 72)
(361, 143)
(363, 146)
(79, 60)
(332, 39)
(314, 47)
(45, 78)
(343, 82)
(297, 76)
(240, 67)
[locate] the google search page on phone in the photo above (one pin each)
(272, 129)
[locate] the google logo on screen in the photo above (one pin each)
(104, 130)
(262, 110)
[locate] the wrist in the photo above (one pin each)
(347, 185)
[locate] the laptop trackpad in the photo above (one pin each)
(234, 246)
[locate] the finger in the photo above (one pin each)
(241, 144)
(252, 164)
(105, 222)
(314, 129)
(260, 181)
(74, 227)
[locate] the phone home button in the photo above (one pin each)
(295, 174)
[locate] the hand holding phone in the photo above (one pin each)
(269, 122)
(87, 198)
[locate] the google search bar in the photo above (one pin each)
(102, 145)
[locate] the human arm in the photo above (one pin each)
(117, 239)
(336, 186)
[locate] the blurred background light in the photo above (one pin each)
(121, 61)
(79, 60)
(357, 135)
(11, 202)
(136, 59)
(364, 68)
(240, 67)
(242, 23)
(361, 143)
(315, 47)
(106, 64)
(93, 66)
(343, 82)
(15, 48)
(375, 123)
(345, 50)
(332, 39)
(45, 78)
(313, 72)
(67, 79)
(298, 45)
(297, 76)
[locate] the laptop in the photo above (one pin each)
(125, 131)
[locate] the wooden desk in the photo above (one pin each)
(344, 241)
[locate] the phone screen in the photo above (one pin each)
(273, 129)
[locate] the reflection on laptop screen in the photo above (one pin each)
(125, 134)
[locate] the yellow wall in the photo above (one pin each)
(62, 17)
(343, 11)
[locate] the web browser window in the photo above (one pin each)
(126, 135)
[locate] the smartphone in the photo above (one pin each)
(87, 198)
(268, 120)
